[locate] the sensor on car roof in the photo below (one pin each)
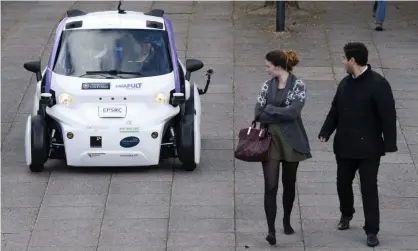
(73, 25)
(75, 13)
(121, 11)
(154, 24)
(155, 13)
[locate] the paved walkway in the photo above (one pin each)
(220, 205)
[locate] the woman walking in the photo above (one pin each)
(278, 107)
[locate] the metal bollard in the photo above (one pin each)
(280, 14)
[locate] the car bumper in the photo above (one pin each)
(79, 151)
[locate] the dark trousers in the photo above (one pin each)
(368, 170)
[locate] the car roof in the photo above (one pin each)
(113, 20)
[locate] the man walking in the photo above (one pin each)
(362, 110)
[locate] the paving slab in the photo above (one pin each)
(219, 206)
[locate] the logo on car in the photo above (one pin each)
(91, 155)
(132, 86)
(95, 86)
(129, 142)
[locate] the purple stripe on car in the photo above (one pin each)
(48, 74)
(173, 53)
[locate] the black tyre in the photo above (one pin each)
(185, 134)
(36, 168)
(39, 144)
(189, 166)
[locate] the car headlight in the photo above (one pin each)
(65, 99)
(161, 98)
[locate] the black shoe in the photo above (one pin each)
(344, 223)
(287, 227)
(379, 27)
(271, 238)
(372, 240)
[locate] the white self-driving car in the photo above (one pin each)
(114, 93)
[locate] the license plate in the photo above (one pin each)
(112, 111)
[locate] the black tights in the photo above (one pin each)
(271, 184)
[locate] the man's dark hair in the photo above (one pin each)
(358, 51)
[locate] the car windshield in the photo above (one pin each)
(124, 53)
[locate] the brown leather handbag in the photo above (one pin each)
(253, 144)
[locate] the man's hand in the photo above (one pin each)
(323, 137)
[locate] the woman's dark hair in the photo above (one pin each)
(285, 59)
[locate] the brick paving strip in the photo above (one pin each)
(219, 206)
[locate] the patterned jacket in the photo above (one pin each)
(286, 113)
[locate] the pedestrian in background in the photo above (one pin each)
(278, 107)
(363, 109)
(374, 8)
(379, 11)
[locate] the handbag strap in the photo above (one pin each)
(262, 126)
(255, 119)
